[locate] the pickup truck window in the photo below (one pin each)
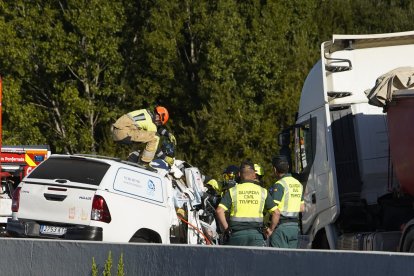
(71, 169)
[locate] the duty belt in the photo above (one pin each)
(260, 229)
(287, 219)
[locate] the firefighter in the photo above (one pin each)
(230, 177)
(287, 193)
(246, 202)
(143, 126)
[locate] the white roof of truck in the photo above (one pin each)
(366, 56)
(340, 41)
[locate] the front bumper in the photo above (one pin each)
(31, 229)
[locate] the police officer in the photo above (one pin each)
(143, 126)
(287, 193)
(246, 202)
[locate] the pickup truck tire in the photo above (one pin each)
(145, 235)
(320, 241)
(139, 240)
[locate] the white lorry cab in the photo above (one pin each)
(340, 147)
(81, 197)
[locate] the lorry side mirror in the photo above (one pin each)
(284, 139)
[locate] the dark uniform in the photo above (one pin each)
(246, 202)
(287, 193)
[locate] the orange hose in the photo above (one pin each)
(198, 230)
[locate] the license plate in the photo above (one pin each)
(52, 230)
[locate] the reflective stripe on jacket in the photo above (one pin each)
(289, 206)
(143, 119)
(248, 201)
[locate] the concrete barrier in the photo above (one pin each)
(49, 257)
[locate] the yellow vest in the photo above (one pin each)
(292, 197)
(248, 200)
(143, 120)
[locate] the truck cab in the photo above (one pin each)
(339, 145)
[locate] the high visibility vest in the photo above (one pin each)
(292, 197)
(143, 119)
(248, 200)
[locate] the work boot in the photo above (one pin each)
(145, 165)
(133, 157)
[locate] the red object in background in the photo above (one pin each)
(20, 160)
(1, 125)
(1, 112)
(400, 117)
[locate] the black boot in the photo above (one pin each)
(133, 157)
(145, 165)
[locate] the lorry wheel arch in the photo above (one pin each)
(145, 235)
(320, 240)
(407, 242)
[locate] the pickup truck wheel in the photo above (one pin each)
(139, 240)
(408, 243)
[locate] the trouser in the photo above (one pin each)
(248, 237)
(126, 131)
(285, 235)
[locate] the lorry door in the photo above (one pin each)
(308, 154)
(302, 138)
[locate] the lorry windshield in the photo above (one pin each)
(71, 169)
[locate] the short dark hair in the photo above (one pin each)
(247, 170)
(247, 164)
(281, 163)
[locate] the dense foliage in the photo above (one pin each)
(230, 72)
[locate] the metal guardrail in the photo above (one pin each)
(50, 257)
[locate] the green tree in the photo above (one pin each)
(363, 16)
(69, 74)
(242, 96)
(229, 71)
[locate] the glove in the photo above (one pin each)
(226, 235)
(172, 139)
(169, 160)
(181, 212)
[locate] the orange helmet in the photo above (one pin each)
(163, 112)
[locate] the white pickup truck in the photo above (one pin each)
(83, 197)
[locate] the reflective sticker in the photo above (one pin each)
(72, 212)
(29, 160)
(150, 187)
